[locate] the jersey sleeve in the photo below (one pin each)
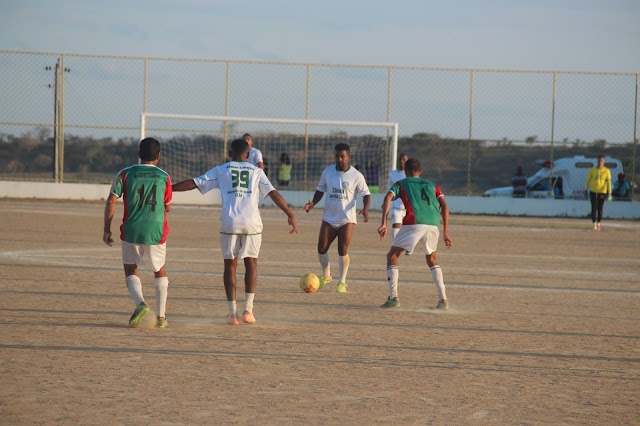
(117, 187)
(363, 188)
(264, 184)
(322, 185)
(587, 183)
(395, 189)
(439, 192)
(259, 156)
(168, 192)
(208, 181)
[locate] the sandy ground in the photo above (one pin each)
(544, 327)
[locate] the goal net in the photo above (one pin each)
(193, 144)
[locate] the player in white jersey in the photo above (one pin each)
(241, 184)
(398, 211)
(255, 155)
(343, 184)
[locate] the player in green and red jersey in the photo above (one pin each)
(146, 190)
(425, 204)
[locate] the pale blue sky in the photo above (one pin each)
(572, 35)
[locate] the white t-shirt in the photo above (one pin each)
(395, 176)
(241, 185)
(255, 156)
(341, 191)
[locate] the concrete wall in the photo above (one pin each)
(457, 204)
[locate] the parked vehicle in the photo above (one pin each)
(564, 178)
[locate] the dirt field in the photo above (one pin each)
(544, 326)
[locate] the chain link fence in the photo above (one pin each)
(76, 118)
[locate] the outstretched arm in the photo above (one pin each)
(109, 211)
(316, 199)
(185, 185)
(386, 206)
(444, 211)
(282, 204)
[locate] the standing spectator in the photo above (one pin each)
(255, 155)
(621, 189)
(519, 182)
(241, 184)
(147, 196)
(342, 183)
(425, 205)
(284, 170)
(598, 184)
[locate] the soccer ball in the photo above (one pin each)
(309, 282)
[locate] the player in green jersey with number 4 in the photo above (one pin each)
(425, 204)
(146, 190)
(241, 185)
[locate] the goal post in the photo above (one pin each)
(192, 144)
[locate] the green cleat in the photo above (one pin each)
(341, 288)
(390, 303)
(141, 310)
(161, 322)
(324, 281)
(442, 304)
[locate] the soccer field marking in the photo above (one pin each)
(84, 257)
(81, 253)
(109, 258)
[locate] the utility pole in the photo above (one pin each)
(58, 118)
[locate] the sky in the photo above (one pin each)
(558, 35)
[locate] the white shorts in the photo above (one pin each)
(411, 237)
(241, 246)
(397, 215)
(135, 254)
(336, 225)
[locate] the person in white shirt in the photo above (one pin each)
(398, 211)
(241, 185)
(342, 184)
(255, 155)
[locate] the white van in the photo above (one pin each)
(567, 181)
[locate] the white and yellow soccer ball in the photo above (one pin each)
(309, 282)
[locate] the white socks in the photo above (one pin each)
(231, 308)
(135, 288)
(344, 268)
(392, 278)
(248, 302)
(162, 286)
(436, 273)
(324, 263)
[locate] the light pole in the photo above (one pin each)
(58, 118)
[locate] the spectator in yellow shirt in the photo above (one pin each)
(599, 186)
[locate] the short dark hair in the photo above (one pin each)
(239, 147)
(149, 149)
(343, 147)
(412, 165)
(246, 135)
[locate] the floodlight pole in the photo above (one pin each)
(58, 117)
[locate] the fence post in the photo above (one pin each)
(306, 127)
(470, 133)
(553, 127)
